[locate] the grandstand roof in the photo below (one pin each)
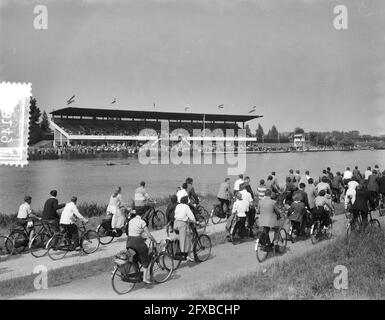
(89, 112)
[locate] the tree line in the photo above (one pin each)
(38, 123)
(328, 138)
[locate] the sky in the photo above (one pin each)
(283, 56)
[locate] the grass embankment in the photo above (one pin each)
(96, 212)
(311, 276)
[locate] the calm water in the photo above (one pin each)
(92, 180)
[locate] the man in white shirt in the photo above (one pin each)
(368, 173)
(237, 183)
(240, 208)
(348, 174)
(24, 213)
(350, 194)
(183, 193)
(67, 220)
(183, 215)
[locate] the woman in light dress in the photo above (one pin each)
(115, 207)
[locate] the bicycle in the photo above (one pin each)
(60, 244)
(358, 225)
(107, 234)
(38, 244)
(262, 248)
(20, 237)
(201, 246)
(156, 216)
(217, 215)
(293, 235)
(127, 268)
(319, 232)
(5, 246)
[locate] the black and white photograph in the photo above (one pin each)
(209, 151)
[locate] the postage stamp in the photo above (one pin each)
(14, 123)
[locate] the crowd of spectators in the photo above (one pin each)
(80, 151)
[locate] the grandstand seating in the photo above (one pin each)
(130, 128)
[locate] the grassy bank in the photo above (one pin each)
(311, 276)
(23, 285)
(96, 212)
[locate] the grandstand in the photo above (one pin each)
(87, 126)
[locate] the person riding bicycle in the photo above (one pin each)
(67, 221)
(184, 215)
(191, 192)
(224, 195)
(322, 207)
(324, 185)
(50, 215)
(296, 213)
(137, 228)
(141, 199)
(24, 216)
(268, 219)
(170, 211)
(337, 185)
(115, 212)
(236, 221)
(360, 205)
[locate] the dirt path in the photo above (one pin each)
(226, 260)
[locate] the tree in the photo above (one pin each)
(274, 132)
(298, 130)
(35, 132)
(44, 124)
(34, 111)
(259, 132)
(248, 131)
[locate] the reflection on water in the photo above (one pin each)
(93, 180)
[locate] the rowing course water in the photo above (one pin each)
(93, 180)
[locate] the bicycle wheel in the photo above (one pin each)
(202, 248)
(158, 270)
(58, 246)
(260, 251)
(158, 220)
(214, 215)
(19, 240)
(282, 240)
(119, 278)
(104, 238)
(6, 247)
(374, 223)
(172, 250)
(37, 246)
(314, 232)
(204, 213)
(90, 242)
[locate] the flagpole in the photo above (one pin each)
(204, 125)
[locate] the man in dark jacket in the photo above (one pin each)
(373, 185)
(360, 206)
(50, 210)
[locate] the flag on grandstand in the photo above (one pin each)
(70, 100)
(253, 109)
(220, 106)
(187, 108)
(113, 101)
(154, 104)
